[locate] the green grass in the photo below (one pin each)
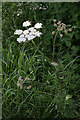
(46, 99)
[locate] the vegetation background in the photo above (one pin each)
(54, 92)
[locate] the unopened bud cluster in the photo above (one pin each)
(20, 82)
(61, 28)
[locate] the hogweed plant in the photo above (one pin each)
(28, 35)
(61, 29)
(32, 32)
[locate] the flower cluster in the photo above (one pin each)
(19, 4)
(30, 33)
(19, 12)
(20, 82)
(41, 7)
(61, 27)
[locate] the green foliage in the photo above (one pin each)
(54, 92)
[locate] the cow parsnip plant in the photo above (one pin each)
(41, 68)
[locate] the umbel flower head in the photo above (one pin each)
(30, 33)
(61, 28)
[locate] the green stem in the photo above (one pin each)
(54, 45)
(48, 59)
(37, 47)
(41, 52)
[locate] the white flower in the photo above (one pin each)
(18, 14)
(30, 37)
(38, 25)
(32, 29)
(28, 87)
(18, 32)
(54, 63)
(21, 36)
(37, 33)
(27, 23)
(31, 33)
(26, 32)
(21, 39)
(68, 97)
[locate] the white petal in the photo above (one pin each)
(27, 23)
(32, 29)
(30, 37)
(54, 63)
(21, 39)
(32, 33)
(38, 25)
(26, 36)
(37, 33)
(26, 32)
(18, 32)
(21, 36)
